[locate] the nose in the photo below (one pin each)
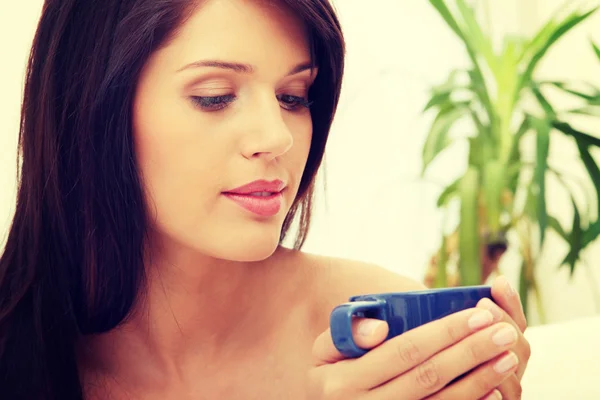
(266, 135)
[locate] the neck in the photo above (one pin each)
(197, 309)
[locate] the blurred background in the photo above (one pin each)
(374, 204)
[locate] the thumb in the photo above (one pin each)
(367, 333)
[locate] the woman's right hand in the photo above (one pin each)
(422, 363)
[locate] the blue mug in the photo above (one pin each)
(402, 311)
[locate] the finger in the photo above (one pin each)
(511, 388)
(435, 373)
(495, 395)
(508, 299)
(404, 352)
(367, 333)
(482, 381)
(523, 349)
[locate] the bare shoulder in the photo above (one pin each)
(341, 278)
(334, 280)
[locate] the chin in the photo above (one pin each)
(250, 249)
(242, 246)
(254, 254)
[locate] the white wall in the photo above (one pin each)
(378, 210)
(375, 207)
(17, 26)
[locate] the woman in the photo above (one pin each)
(167, 147)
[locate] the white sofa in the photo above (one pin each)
(565, 361)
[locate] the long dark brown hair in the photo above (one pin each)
(73, 261)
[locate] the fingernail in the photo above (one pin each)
(495, 395)
(480, 319)
(493, 308)
(505, 336)
(508, 289)
(506, 363)
(367, 327)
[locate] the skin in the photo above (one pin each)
(227, 312)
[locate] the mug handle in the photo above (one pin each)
(340, 323)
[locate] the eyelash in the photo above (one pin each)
(216, 103)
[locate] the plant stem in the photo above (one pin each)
(524, 290)
(469, 262)
(441, 278)
(531, 279)
(538, 301)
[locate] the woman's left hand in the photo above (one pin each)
(508, 308)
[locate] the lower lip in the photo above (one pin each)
(266, 206)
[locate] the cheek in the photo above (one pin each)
(177, 169)
(302, 130)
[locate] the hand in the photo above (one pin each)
(508, 309)
(419, 364)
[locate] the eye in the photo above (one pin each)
(213, 103)
(293, 103)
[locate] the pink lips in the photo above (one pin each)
(260, 197)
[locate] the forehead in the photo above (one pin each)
(248, 31)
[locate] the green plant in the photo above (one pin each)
(502, 103)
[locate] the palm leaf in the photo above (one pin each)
(443, 10)
(476, 75)
(448, 193)
(438, 138)
(589, 111)
(576, 134)
(596, 50)
(544, 103)
(590, 202)
(542, 147)
(557, 227)
(554, 34)
(514, 47)
(591, 234)
(515, 154)
(438, 99)
(480, 89)
(575, 241)
(479, 41)
(590, 98)
(584, 141)
(523, 129)
(442, 94)
(593, 230)
(543, 33)
(580, 238)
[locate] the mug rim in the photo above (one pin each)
(433, 291)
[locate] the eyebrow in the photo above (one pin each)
(242, 68)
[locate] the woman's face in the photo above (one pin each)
(222, 105)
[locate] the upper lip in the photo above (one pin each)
(260, 185)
